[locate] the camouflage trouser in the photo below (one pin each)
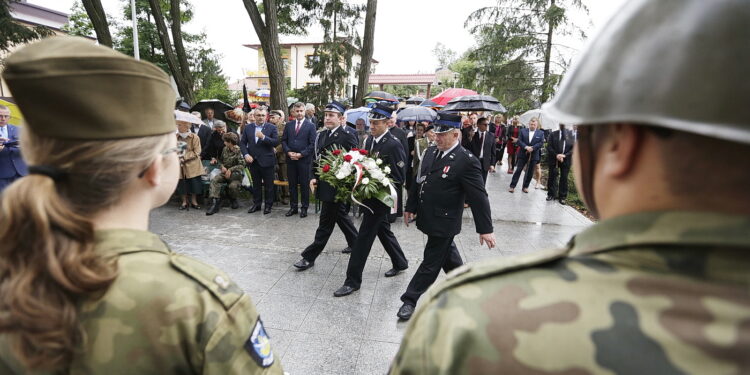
(218, 181)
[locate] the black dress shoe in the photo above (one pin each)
(292, 211)
(393, 272)
(267, 210)
(405, 312)
(344, 291)
(348, 250)
(303, 264)
(254, 208)
(562, 202)
(303, 212)
(550, 199)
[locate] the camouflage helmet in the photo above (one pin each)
(678, 64)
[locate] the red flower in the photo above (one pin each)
(355, 149)
(363, 152)
(337, 152)
(347, 158)
(326, 168)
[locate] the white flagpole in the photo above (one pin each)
(136, 49)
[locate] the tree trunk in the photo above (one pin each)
(186, 91)
(268, 33)
(98, 19)
(179, 47)
(547, 57)
(366, 53)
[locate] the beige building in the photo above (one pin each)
(295, 57)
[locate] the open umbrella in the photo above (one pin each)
(417, 114)
(444, 97)
(545, 122)
(474, 103)
(382, 95)
(187, 117)
(217, 105)
(415, 100)
(431, 104)
(355, 114)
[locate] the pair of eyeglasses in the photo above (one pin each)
(4, 116)
(180, 150)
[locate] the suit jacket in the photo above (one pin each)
(400, 134)
(536, 143)
(442, 187)
(216, 122)
(204, 133)
(214, 147)
(343, 137)
(302, 142)
(11, 162)
(555, 147)
(391, 151)
(263, 151)
(467, 136)
(488, 158)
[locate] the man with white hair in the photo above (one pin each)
(12, 165)
(310, 114)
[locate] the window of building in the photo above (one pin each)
(311, 59)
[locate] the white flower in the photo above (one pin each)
(379, 161)
(387, 169)
(369, 164)
(377, 174)
(365, 181)
(344, 171)
(356, 156)
(385, 181)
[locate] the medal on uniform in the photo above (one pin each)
(445, 171)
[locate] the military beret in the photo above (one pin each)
(68, 87)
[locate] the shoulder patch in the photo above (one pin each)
(476, 271)
(258, 345)
(216, 281)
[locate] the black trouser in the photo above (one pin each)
(298, 172)
(484, 176)
(529, 174)
(553, 178)
(262, 182)
(499, 152)
(439, 253)
(331, 213)
(372, 226)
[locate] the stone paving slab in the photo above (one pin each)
(315, 333)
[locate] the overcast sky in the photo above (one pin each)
(406, 31)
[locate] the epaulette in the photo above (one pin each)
(216, 281)
(471, 272)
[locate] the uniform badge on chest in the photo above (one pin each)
(445, 171)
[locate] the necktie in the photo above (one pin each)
(439, 155)
(296, 131)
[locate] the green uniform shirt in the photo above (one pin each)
(649, 293)
(165, 314)
(231, 159)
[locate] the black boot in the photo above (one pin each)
(215, 206)
(234, 204)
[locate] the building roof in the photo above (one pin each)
(402, 79)
(289, 45)
(37, 15)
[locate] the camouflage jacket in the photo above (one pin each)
(165, 314)
(650, 293)
(231, 158)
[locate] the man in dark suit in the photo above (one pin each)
(331, 212)
(559, 151)
(257, 145)
(12, 166)
(530, 143)
(449, 176)
(298, 142)
(203, 131)
(483, 146)
(384, 145)
(400, 135)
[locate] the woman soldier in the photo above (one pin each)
(84, 287)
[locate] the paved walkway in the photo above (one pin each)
(315, 333)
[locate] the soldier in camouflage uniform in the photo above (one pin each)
(662, 284)
(85, 288)
(232, 166)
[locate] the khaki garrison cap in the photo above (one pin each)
(68, 87)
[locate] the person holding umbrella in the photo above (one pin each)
(191, 169)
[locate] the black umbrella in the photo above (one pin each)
(246, 104)
(217, 105)
(415, 100)
(382, 95)
(474, 103)
(417, 114)
(431, 104)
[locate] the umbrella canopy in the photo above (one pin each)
(474, 103)
(355, 114)
(187, 117)
(545, 122)
(431, 104)
(217, 105)
(444, 97)
(382, 95)
(417, 114)
(415, 100)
